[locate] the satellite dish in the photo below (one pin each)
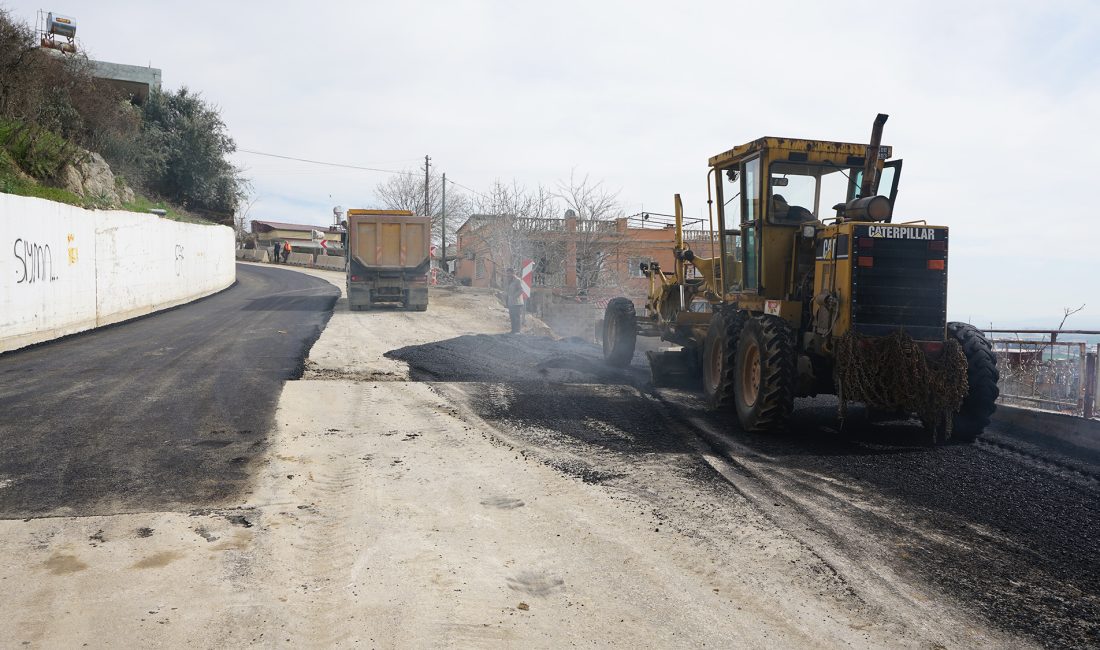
(338, 210)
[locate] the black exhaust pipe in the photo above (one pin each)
(870, 165)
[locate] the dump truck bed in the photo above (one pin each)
(388, 258)
(389, 239)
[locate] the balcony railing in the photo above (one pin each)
(1040, 372)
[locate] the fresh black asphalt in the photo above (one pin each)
(168, 411)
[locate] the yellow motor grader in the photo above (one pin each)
(812, 288)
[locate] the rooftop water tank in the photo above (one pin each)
(60, 26)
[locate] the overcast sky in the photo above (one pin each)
(993, 106)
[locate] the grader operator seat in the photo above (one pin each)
(784, 213)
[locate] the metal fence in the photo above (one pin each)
(1040, 372)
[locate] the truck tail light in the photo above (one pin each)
(938, 245)
(866, 242)
(935, 265)
(866, 261)
(931, 347)
(355, 278)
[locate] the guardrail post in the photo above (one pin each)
(1090, 384)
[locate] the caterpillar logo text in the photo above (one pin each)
(897, 232)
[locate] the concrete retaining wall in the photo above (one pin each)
(66, 269)
(1069, 429)
(254, 255)
(303, 259)
(330, 262)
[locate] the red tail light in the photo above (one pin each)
(935, 265)
(866, 242)
(939, 245)
(355, 278)
(866, 262)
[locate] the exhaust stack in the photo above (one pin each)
(870, 165)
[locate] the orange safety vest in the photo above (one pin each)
(286, 246)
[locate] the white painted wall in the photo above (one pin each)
(65, 269)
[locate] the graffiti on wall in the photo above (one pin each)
(34, 262)
(179, 260)
(74, 252)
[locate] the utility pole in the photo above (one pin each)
(443, 220)
(427, 206)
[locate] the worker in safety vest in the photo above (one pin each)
(513, 293)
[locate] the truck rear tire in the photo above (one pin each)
(981, 379)
(719, 357)
(764, 374)
(620, 332)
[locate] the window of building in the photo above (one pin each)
(634, 264)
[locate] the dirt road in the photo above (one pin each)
(433, 481)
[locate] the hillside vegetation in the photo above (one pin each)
(59, 124)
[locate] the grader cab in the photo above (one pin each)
(813, 288)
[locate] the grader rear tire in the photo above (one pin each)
(981, 380)
(719, 350)
(764, 374)
(620, 332)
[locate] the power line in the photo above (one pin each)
(467, 189)
(346, 166)
(329, 164)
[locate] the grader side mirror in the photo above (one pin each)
(731, 174)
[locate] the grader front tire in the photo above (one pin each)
(620, 332)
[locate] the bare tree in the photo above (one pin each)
(1067, 312)
(505, 219)
(598, 239)
(240, 223)
(405, 191)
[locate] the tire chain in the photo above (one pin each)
(893, 373)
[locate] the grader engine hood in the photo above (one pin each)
(885, 278)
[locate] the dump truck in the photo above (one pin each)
(813, 287)
(388, 259)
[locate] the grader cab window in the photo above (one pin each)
(837, 186)
(800, 192)
(887, 181)
(732, 261)
(750, 191)
(792, 190)
(750, 262)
